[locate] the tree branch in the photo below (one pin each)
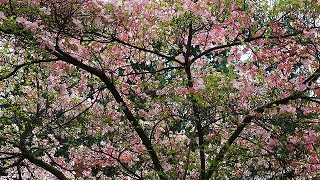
(147, 50)
(15, 70)
(199, 127)
(213, 166)
(129, 115)
(237, 42)
(42, 164)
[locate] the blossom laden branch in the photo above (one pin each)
(17, 67)
(247, 120)
(111, 87)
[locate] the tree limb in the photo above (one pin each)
(129, 115)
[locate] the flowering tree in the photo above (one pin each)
(138, 89)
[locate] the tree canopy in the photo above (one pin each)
(159, 89)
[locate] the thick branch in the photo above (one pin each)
(38, 162)
(199, 127)
(44, 165)
(189, 44)
(15, 164)
(111, 87)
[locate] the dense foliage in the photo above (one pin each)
(159, 89)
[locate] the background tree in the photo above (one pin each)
(166, 89)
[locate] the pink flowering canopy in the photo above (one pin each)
(181, 89)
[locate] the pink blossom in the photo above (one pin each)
(138, 148)
(272, 142)
(143, 113)
(306, 62)
(236, 84)
(3, 1)
(81, 89)
(63, 88)
(317, 91)
(309, 147)
(180, 58)
(21, 20)
(313, 168)
(310, 136)
(198, 84)
(183, 90)
(125, 157)
(2, 15)
(45, 10)
(287, 108)
(249, 90)
(313, 159)
(166, 166)
(294, 140)
(31, 25)
(273, 112)
(300, 86)
(115, 3)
